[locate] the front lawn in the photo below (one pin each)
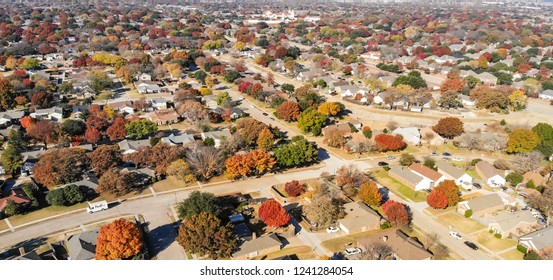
(3, 225)
(339, 244)
(460, 223)
(512, 255)
(302, 252)
(493, 243)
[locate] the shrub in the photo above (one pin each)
(497, 235)
(490, 231)
(531, 256)
(294, 188)
(468, 213)
(385, 225)
(475, 161)
(387, 168)
(522, 249)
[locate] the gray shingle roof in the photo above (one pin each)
(406, 174)
(542, 238)
(483, 202)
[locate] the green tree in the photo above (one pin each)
(100, 81)
(30, 63)
(231, 76)
(140, 129)
(18, 140)
(522, 141)
(204, 234)
(450, 99)
(407, 159)
(223, 98)
(197, 203)
(74, 127)
(413, 79)
(7, 98)
(514, 178)
(11, 208)
(289, 88)
(200, 76)
(545, 133)
(11, 159)
(297, 153)
(73, 194)
(56, 198)
(311, 121)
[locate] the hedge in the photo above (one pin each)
(468, 213)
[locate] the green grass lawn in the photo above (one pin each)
(512, 255)
(302, 252)
(435, 212)
(338, 244)
(460, 223)
(44, 213)
(398, 188)
(494, 244)
(3, 225)
(171, 183)
(472, 173)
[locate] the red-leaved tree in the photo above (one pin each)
(288, 111)
(243, 86)
(273, 214)
(387, 142)
(396, 213)
(437, 199)
(294, 188)
(118, 240)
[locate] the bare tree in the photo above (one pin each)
(430, 239)
(392, 125)
(377, 251)
(204, 161)
(440, 252)
(543, 202)
(523, 163)
(323, 210)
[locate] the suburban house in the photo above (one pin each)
(410, 179)
(17, 196)
(513, 224)
(258, 246)
(411, 135)
(122, 106)
(159, 103)
(217, 135)
(487, 78)
(53, 114)
(539, 241)
(342, 127)
(82, 246)
(359, 217)
(426, 172)
(535, 177)
(431, 137)
(10, 117)
(145, 77)
(164, 117)
(90, 181)
(182, 139)
(130, 146)
(403, 246)
(490, 174)
(453, 173)
(482, 205)
(147, 87)
(546, 94)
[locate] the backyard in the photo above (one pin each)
(381, 176)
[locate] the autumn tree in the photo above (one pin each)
(196, 203)
(452, 84)
(450, 99)
(311, 121)
(180, 169)
(140, 129)
(386, 142)
(288, 111)
(204, 234)
(335, 138)
(449, 127)
(60, 166)
(116, 182)
(117, 131)
(92, 135)
(249, 129)
(266, 139)
(44, 131)
(294, 188)
(27, 121)
(396, 213)
(330, 108)
(273, 214)
(349, 178)
(437, 199)
(6, 94)
(368, 193)
(545, 133)
(450, 190)
(193, 111)
(522, 141)
(104, 158)
(254, 162)
(120, 239)
(407, 159)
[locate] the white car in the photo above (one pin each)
(332, 229)
(352, 251)
(455, 235)
(457, 159)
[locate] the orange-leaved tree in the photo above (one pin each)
(118, 240)
(386, 142)
(273, 214)
(450, 190)
(396, 213)
(368, 193)
(437, 199)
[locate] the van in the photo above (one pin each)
(97, 206)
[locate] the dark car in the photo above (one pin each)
(478, 186)
(446, 154)
(471, 245)
(383, 163)
(265, 114)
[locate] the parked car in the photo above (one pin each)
(446, 158)
(471, 245)
(383, 163)
(352, 251)
(478, 186)
(332, 229)
(446, 154)
(265, 114)
(390, 157)
(457, 159)
(455, 235)
(433, 154)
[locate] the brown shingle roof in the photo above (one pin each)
(486, 169)
(425, 171)
(403, 246)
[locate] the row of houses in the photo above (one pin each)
(420, 177)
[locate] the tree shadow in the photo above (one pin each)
(161, 237)
(28, 245)
(323, 154)
(409, 212)
(385, 193)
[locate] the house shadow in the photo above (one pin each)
(28, 245)
(161, 237)
(323, 154)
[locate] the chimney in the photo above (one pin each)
(385, 238)
(254, 235)
(21, 251)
